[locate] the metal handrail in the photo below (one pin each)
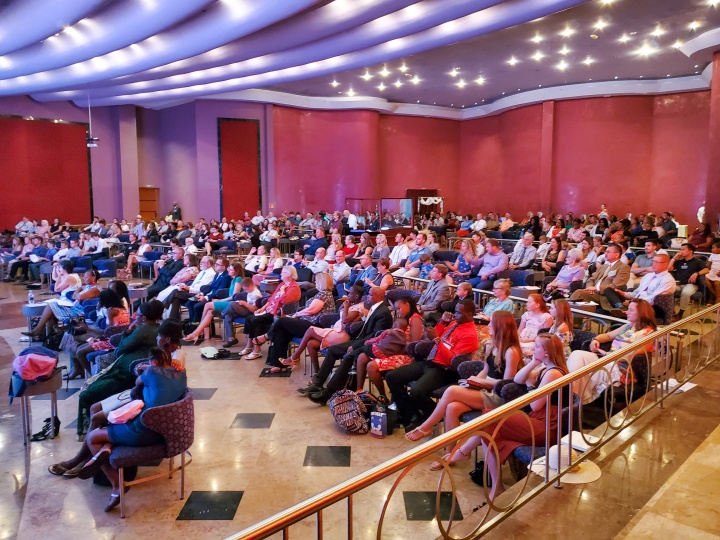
(282, 520)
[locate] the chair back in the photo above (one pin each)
(175, 422)
(518, 278)
(152, 255)
(82, 264)
(106, 267)
(666, 302)
(304, 274)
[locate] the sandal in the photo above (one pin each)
(417, 434)
(276, 369)
(245, 351)
(93, 466)
(260, 340)
(289, 362)
(451, 461)
(75, 471)
(57, 469)
(253, 356)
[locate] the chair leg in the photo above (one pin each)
(171, 462)
(25, 427)
(53, 413)
(182, 476)
(122, 491)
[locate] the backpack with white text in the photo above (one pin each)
(349, 412)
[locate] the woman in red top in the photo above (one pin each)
(212, 240)
(258, 323)
(350, 246)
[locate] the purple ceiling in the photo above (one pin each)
(447, 53)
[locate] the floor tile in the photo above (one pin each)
(72, 425)
(211, 505)
(253, 420)
(62, 394)
(266, 373)
(203, 394)
(327, 456)
(420, 506)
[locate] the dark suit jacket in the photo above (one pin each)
(381, 319)
(221, 281)
(168, 272)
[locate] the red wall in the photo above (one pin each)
(419, 153)
(323, 157)
(44, 171)
(602, 154)
(500, 162)
(239, 166)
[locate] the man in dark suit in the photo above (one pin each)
(222, 280)
(197, 300)
(165, 274)
(378, 318)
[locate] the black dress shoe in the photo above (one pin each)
(230, 343)
(312, 389)
(322, 397)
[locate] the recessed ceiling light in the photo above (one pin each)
(415, 80)
(476, 103)
(646, 50)
(607, 2)
(381, 86)
(513, 61)
(538, 38)
(562, 65)
(588, 60)
(641, 76)
(351, 92)
(398, 83)
(537, 56)
(461, 83)
(403, 68)
(567, 32)
(334, 84)
(367, 76)
(564, 50)
(624, 38)
(616, 76)
(418, 101)
(454, 72)
(601, 24)
(384, 72)
(480, 80)
(677, 44)
(658, 31)
(667, 75)
(694, 25)
(713, 3)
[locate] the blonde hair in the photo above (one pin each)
(471, 247)
(275, 252)
(380, 240)
(323, 281)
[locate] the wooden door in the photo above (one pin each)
(150, 203)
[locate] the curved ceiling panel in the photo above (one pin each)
(224, 21)
(26, 22)
(489, 20)
(338, 16)
(397, 25)
(120, 25)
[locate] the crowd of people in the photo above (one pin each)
(357, 304)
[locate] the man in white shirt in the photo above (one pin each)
(190, 246)
(524, 254)
(258, 219)
(100, 244)
(340, 272)
(94, 226)
(139, 227)
(399, 253)
(183, 293)
(479, 225)
(351, 220)
(653, 284)
(318, 264)
(24, 227)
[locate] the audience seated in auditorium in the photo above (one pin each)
(493, 262)
(378, 318)
(687, 270)
(456, 337)
(502, 356)
(613, 274)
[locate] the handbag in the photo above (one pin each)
(127, 412)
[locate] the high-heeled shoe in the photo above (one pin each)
(192, 342)
(260, 340)
(451, 461)
(72, 376)
(289, 362)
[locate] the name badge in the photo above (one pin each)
(612, 273)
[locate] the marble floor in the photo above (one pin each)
(260, 447)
